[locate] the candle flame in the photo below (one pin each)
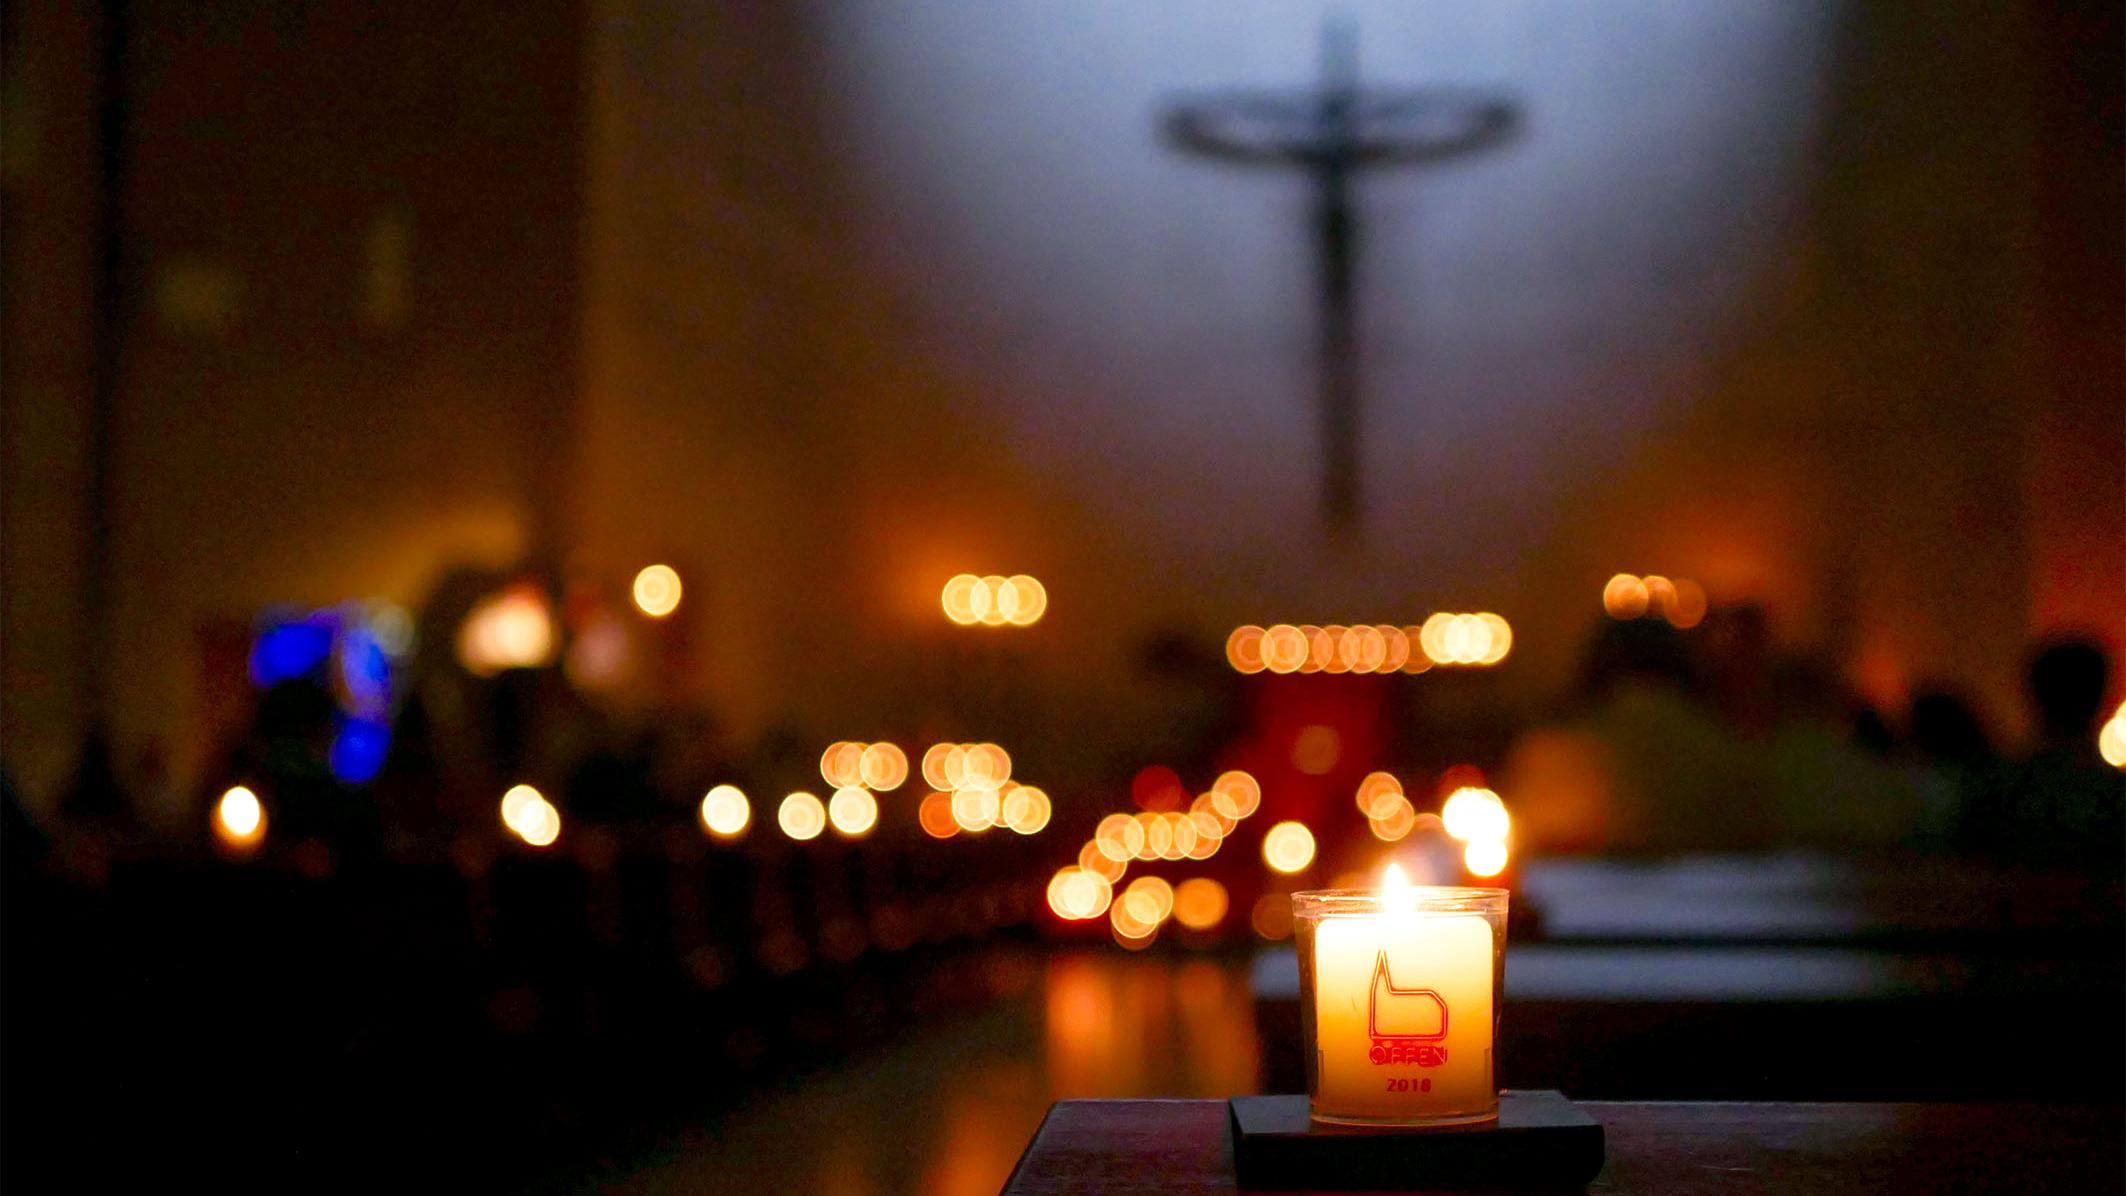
(1397, 895)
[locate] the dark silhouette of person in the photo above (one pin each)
(2061, 804)
(1950, 757)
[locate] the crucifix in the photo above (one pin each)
(1332, 132)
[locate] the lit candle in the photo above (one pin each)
(1399, 995)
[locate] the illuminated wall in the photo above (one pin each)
(824, 303)
(885, 292)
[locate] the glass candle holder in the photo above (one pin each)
(1399, 993)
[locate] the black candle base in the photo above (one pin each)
(1540, 1140)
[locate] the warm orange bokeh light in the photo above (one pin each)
(1478, 639)
(801, 816)
(935, 816)
(1288, 848)
(530, 817)
(1026, 809)
(1243, 649)
(1022, 600)
(725, 811)
(1485, 857)
(842, 764)
(1243, 793)
(1076, 895)
(853, 811)
(1158, 837)
(1625, 597)
(1093, 857)
(1284, 648)
(239, 818)
(1200, 903)
(1112, 837)
(1392, 818)
(976, 808)
(657, 590)
(882, 766)
(1272, 916)
(1396, 646)
(1149, 899)
(1474, 814)
(980, 764)
(1418, 660)
(934, 774)
(2111, 739)
(1375, 787)
(1687, 608)
(510, 630)
(958, 598)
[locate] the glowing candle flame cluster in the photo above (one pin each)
(994, 601)
(1628, 596)
(530, 817)
(881, 766)
(1478, 818)
(1085, 890)
(1476, 640)
(972, 791)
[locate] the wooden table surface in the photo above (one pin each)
(1668, 1148)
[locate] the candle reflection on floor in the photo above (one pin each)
(948, 1109)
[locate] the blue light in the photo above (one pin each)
(358, 750)
(365, 672)
(290, 650)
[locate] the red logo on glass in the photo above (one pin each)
(1407, 1024)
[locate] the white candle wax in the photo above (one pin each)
(1403, 1017)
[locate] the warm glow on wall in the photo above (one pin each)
(725, 811)
(801, 816)
(1288, 848)
(239, 819)
(656, 591)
